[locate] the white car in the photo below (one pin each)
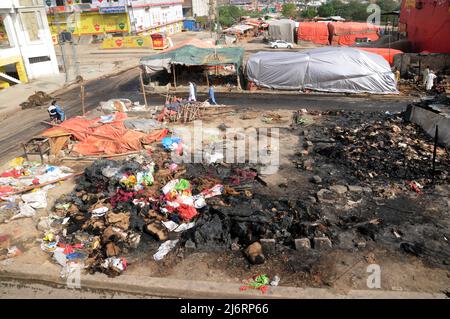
(281, 44)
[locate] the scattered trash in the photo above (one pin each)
(260, 282)
(164, 249)
(275, 281)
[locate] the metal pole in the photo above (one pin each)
(75, 58)
(61, 46)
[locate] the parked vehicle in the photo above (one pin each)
(281, 44)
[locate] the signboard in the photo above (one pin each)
(109, 10)
(106, 3)
(92, 23)
(127, 42)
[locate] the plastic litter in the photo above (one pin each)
(260, 282)
(98, 212)
(36, 199)
(275, 281)
(164, 249)
(25, 210)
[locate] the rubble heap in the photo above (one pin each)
(386, 148)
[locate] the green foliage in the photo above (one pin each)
(228, 15)
(308, 13)
(325, 10)
(354, 10)
(289, 10)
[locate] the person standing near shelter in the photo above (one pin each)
(212, 99)
(430, 80)
(397, 75)
(56, 113)
(192, 92)
(425, 75)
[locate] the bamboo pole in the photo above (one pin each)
(83, 110)
(174, 76)
(29, 188)
(143, 88)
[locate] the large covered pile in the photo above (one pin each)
(353, 71)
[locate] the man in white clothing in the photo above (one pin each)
(430, 80)
(425, 75)
(192, 92)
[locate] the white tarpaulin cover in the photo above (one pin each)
(330, 69)
(282, 30)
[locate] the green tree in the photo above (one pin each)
(228, 15)
(388, 5)
(308, 13)
(326, 10)
(289, 10)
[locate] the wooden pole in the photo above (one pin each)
(143, 88)
(83, 110)
(29, 188)
(207, 78)
(174, 76)
(436, 133)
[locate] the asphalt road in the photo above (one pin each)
(25, 124)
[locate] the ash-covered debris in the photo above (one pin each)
(381, 147)
(116, 203)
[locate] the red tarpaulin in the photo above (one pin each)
(104, 138)
(345, 33)
(427, 24)
(388, 54)
(316, 32)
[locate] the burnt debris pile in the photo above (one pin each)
(386, 148)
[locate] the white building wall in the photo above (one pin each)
(148, 17)
(30, 40)
(200, 8)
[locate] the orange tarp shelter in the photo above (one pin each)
(316, 32)
(345, 33)
(387, 53)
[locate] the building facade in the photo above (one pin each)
(26, 48)
(195, 8)
(96, 17)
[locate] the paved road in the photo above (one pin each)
(25, 290)
(27, 123)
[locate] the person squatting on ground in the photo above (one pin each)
(56, 113)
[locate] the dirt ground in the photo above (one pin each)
(342, 268)
(417, 219)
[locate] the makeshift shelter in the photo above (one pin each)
(328, 69)
(346, 33)
(316, 32)
(386, 53)
(282, 30)
(241, 28)
(212, 61)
